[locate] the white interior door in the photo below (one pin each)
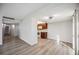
(75, 32)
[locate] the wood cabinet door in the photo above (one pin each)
(44, 35)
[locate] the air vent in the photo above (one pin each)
(9, 18)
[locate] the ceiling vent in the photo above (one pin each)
(8, 18)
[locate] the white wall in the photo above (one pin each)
(0, 30)
(78, 28)
(34, 30)
(16, 30)
(78, 35)
(63, 29)
(0, 24)
(28, 30)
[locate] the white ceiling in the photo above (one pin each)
(19, 10)
(59, 12)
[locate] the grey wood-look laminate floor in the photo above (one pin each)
(15, 46)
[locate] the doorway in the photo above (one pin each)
(10, 31)
(42, 30)
(42, 33)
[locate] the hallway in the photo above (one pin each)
(15, 46)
